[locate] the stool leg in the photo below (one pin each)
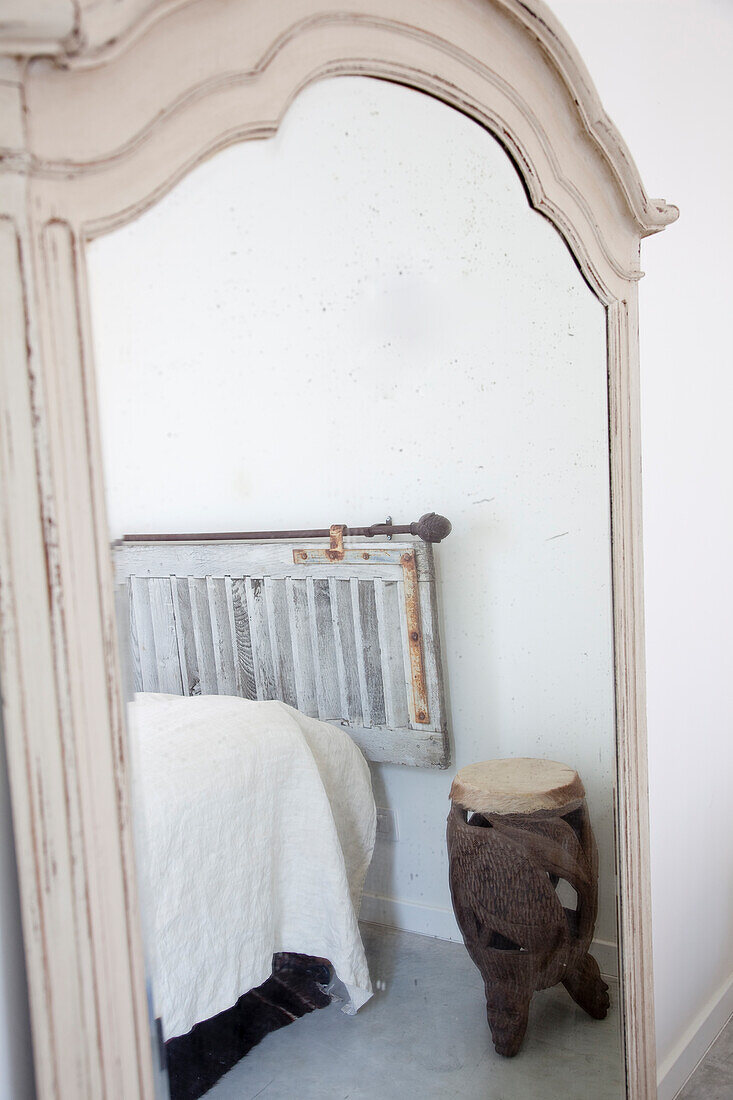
(587, 988)
(507, 1011)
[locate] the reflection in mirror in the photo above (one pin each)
(360, 322)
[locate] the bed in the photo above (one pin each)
(257, 828)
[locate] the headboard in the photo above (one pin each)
(348, 636)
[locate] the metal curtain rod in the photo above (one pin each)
(430, 528)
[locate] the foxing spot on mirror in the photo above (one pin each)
(360, 323)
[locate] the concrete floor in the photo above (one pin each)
(425, 1035)
(713, 1078)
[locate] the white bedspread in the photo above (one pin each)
(258, 828)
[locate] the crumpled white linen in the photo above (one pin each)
(257, 827)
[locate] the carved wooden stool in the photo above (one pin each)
(529, 828)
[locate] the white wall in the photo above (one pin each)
(362, 317)
(664, 73)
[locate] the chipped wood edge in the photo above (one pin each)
(63, 728)
(60, 679)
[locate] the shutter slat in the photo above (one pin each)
(243, 640)
(221, 633)
(164, 633)
(366, 711)
(282, 644)
(261, 646)
(341, 593)
(329, 696)
(145, 638)
(202, 633)
(338, 650)
(301, 632)
(395, 684)
(134, 646)
(313, 623)
(185, 635)
(372, 652)
(272, 635)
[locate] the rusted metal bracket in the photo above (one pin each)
(414, 635)
(336, 551)
(406, 560)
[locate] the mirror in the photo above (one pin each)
(358, 322)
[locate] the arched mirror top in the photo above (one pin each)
(505, 63)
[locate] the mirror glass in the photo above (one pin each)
(361, 321)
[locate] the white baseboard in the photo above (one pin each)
(677, 1068)
(411, 916)
(606, 955)
(431, 920)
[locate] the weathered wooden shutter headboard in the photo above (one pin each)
(352, 641)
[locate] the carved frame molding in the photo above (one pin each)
(89, 138)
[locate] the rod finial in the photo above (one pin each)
(432, 528)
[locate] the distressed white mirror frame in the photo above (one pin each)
(127, 99)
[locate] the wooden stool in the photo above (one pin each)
(529, 828)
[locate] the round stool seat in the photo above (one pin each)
(517, 786)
